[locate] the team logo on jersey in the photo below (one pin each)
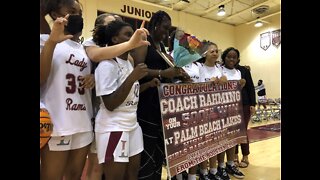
(276, 38)
(265, 40)
(123, 149)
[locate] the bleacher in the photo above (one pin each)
(272, 112)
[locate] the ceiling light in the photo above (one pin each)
(258, 24)
(221, 11)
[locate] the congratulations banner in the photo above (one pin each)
(200, 120)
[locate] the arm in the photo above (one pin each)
(113, 100)
(139, 54)
(168, 73)
(57, 35)
(97, 54)
(138, 39)
(251, 91)
(46, 59)
(250, 87)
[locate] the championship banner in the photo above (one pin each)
(265, 40)
(276, 37)
(200, 120)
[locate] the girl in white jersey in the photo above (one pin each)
(211, 71)
(95, 170)
(118, 134)
(65, 91)
(230, 58)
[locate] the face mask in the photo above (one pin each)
(75, 24)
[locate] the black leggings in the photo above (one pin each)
(245, 146)
(153, 156)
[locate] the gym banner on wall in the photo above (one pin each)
(271, 36)
(200, 120)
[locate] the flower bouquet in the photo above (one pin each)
(186, 49)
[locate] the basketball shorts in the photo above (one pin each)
(262, 99)
(70, 142)
(119, 145)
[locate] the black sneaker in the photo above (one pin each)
(223, 173)
(173, 178)
(204, 177)
(234, 171)
(214, 176)
(184, 175)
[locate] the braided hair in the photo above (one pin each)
(103, 34)
(157, 19)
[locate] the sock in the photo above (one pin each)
(192, 177)
(213, 170)
(231, 163)
(179, 176)
(222, 165)
(204, 171)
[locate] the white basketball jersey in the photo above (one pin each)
(89, 42)
(208, 72)
(109, 76)
(42, 106)
(69, 105)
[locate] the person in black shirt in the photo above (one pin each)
(249, 103)
(149, 115)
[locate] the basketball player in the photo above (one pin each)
(118, 134)
(97, 54)
(95, 170)
(65, 90)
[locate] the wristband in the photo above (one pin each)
(159, 74)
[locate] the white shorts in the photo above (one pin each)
(74, 141)
(262, 99)
(119, 145)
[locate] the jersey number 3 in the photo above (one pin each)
(72, 84)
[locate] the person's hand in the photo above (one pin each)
(140, 71)
(186, 79)
(242, 82)
(87, 81)
(222, 80)
(252, 110)
(177, 72)
(57, 33)
(215, 80)
(139, 37)
(154, 82)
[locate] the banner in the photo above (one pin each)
(276, 37)
(265, 40)
(200, 120)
